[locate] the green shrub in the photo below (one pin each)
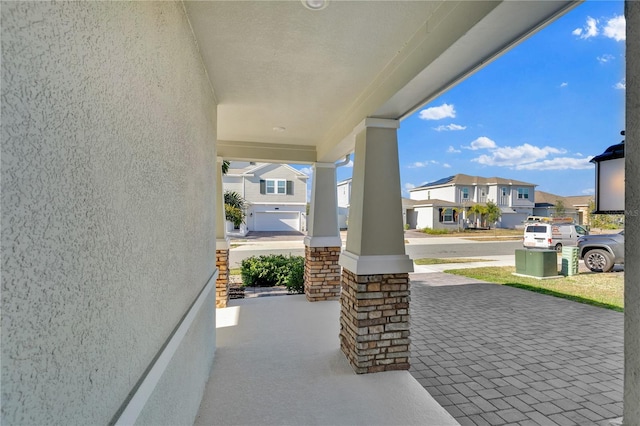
(274, 269)
(435, 231)
(295, 280)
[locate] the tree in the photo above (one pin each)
(225, 167)
(477, 209)
(234, 208)
(560, 208)
(493, 213)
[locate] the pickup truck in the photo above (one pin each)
(601, 251)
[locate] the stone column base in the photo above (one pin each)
(222, 283)
(374, 321)
(321, 273)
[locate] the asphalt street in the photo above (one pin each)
(416, 249)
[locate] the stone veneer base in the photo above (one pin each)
(222, 283)
(321, 273)
(374, 321)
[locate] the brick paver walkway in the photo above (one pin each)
(493, 355)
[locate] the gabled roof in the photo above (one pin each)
(252, 168)
(547, 199)
(462, 179)
(435, 202)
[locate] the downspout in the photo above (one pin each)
(345, 161)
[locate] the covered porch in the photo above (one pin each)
(116, 120)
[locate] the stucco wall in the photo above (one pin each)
(107, 207)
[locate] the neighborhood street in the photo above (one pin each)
(416, 248)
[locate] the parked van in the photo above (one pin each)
(552, 235)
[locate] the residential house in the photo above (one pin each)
(276, 195)
(442, 201)
(575, 207)
(116, 117)
(344, 197)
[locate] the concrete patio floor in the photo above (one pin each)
(278, 362)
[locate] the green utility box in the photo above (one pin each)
(569, 261)
(537, 263)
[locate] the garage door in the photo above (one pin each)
(277, 221)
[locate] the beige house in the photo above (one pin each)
(576, 207)
(116, 117)
(276, 195)
(445, 203)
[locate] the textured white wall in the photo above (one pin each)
(108, 180)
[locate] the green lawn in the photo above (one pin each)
(599, 289)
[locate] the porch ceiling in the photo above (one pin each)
(317, 74)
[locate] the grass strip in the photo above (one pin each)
(604, 290)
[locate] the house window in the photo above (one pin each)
(447, 215)
(465, 193)
(504, 191)
(523, 193)
(276, 186)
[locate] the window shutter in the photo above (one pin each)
(440, 214)
(289, 187)
(263, 186)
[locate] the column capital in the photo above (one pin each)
(325, 165)
(382, 123)
(331, 241)
(375, 264)
(223, 243)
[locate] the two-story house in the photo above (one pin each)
(446, 202)
(276, 195)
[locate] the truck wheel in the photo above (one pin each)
(598, 260)
(558, 247)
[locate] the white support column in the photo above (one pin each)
(374, 316)
(222, 242)
(631, 401)
(323, 243)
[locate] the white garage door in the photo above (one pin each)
(277, 221)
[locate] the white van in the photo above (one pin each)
(552, 235)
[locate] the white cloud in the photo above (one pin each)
(452, 150)
(409, 186)
(438, 113)
(306, 170)
(558, 163)
(603, 59)
(564, 84)
(589, 191)
(516, 157)
(449, 127)
(482, 142)
(615, 28)
(420, 164)
(349, 164)
(621, 85)
(589, 30)
(446, 165)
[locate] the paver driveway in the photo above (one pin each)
(493, 355)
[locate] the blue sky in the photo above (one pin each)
(536, 114)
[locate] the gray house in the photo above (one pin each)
(276, 194)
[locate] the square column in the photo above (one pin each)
(222, 243)
(631, 398)
(323, 243)
(374, 317)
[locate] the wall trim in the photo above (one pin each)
(323, 241)
(137, 399)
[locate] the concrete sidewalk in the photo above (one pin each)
(278, 362)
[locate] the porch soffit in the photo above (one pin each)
(276, 64)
